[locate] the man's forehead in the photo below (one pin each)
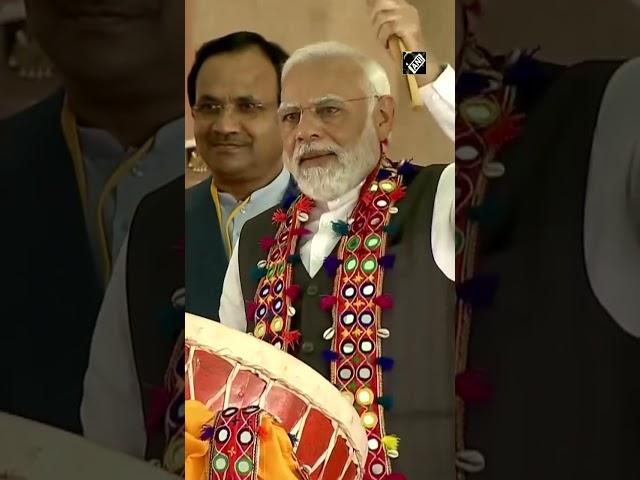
(233, 74)
(321, 78)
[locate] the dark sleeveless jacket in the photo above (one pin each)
(155, 272)
(206, 259)
(51, 290)
(566, 378)
(421, 325)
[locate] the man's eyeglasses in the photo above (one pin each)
(328, 110)
(244, 108)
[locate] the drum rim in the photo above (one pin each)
(351, 427)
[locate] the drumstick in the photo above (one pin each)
(416, 99)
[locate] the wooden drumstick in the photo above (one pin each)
(416, 99)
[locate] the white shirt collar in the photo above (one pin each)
(275, 187)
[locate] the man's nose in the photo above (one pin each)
(227, 122)
(309, 128)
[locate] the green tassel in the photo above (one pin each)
(294, 259)
(392, 228)
(258, 272)
(488, 213)
(391, 442)
(340, 228)
(385, 401)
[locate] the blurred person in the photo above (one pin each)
(233, 90)
(383, 234)
(547, 330)
(134, 387)
(75, 167)
(133, 321)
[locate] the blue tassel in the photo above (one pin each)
(385, 363)
(294, 439)
(386, 401)
(294, 259)
(258, 272)
(391, 229)
(340, 228)
(525, 70)
(288, 199)
(471, 83)
(171, 320)
(407, 169)
(329, 355)
(478, 291)
(207, 432)
(383, 174)
(387, 261)
(331, 265)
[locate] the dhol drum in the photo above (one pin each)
(33, 451)
(237, 375)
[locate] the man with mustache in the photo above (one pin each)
(75, 166)
(354, 274)
(141, 327)
(547, 331)
(233, 90)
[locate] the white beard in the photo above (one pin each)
(345, 172)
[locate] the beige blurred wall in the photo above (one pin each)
(295, 23)
(568, 31)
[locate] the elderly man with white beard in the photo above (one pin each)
(377, 320)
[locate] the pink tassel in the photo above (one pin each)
(301, 232)
(293, 291)
(327, 302)
(292, 337)
(180, 247)
(262, 433)
(266, 243)
(251, 310)
(160, 399)
(279, 216)
(385, 302)
(474, 387)
(398, 194)
(305, 204)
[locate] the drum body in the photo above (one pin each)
(226, 369)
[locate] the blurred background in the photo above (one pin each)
(26, 75)
(598, 29)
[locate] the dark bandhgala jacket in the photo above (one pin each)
(421, 326)
(51, 290)
(565, 374)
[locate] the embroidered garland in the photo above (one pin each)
(356, 305)
(173, 458)
(235, 446)
(485, 122)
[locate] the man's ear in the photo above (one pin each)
(383, 116)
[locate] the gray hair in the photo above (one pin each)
(376, 81)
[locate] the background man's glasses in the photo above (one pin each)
(248, 109)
